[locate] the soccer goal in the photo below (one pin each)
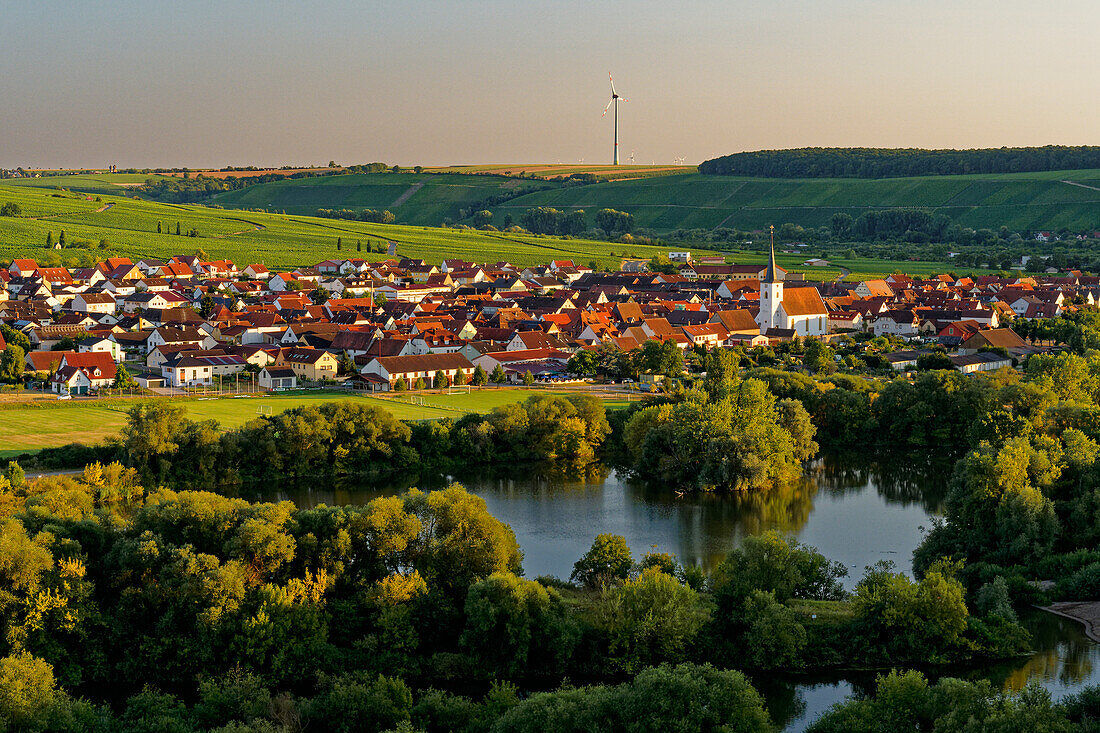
(264, 410)
(415, 400)
(459, 389)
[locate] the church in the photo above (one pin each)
(796, 309)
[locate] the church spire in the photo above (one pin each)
(770, 276)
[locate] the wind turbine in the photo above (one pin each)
(614, 101)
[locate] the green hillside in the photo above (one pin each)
(415, 199)
(1020, 201)
(116, 225)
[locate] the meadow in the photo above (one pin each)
(46, 423)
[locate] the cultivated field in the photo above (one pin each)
(46, 423)
(129, 228)
(552, 172)
(683, 199)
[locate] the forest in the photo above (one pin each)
(899, 162)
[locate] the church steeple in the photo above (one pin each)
(770, 275)
(771, 294)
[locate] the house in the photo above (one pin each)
(874, 289)
(986, 361)
(308, 364)
(1004, 338)
(98, 370)
(94, 303)
(96, 344)
(273, 377)
(420, 366)
(191, 371)
(902, 360)
(903, 323)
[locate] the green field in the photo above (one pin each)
(129, 228)
(34, 427)
(687, 200)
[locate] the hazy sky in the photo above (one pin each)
(203, 84)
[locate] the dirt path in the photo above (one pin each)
(1082, 185)
(1087, 613)
(103, 208)
(405, 196)
(844, 272)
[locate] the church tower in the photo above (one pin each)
(771, 294)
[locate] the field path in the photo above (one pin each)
(844, 272)
(255, 228)
(1082, 185)
(405, 196)
(103, 208)
(100, 210)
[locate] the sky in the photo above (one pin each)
(420, 82)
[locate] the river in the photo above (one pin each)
(857, 509)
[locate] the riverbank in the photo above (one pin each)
(1087, 613)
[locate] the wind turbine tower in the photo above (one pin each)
(615, 98)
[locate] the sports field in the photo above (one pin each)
(47, 423)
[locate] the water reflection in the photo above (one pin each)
(857, 508)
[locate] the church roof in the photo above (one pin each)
(803, 302)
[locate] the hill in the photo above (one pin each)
(900, 162)
(1045, 200)
(100, 226)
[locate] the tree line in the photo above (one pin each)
(896, 162)
(338, 438)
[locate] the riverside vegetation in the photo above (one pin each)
(129, 607)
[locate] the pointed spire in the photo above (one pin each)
(769, 276)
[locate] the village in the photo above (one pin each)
(403, 323)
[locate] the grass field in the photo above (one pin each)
(32, 427)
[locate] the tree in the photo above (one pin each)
(339, 243)
(528, 378)
(14, 336)
(12, 363)
(650, 619)
(516, 627)
(206, 306)
(15, 474)
(49, 240)
(817, 357)
(483, 218)
(358, 246)
(61, 239)
(11, 209)
(613, 222)
(607, 561)
(459, 378)
(319, 296)
(177, 228)
(159, 231)
(123, 380)
(498, 376)
(841, 225)
(480, 377)
(419, 383)
(439, 381)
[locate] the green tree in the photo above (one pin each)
(123, 380)
(439, 381)
(459, 378)
(419, 384)
(12, 363)
(528, 378)
(607, 561)
(480, 378)
(650, 619)
(516, 627)
(483, 218)
(177, 228)
(15, 475)
(498, 376)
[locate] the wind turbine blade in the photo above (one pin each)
(612, 82)
(607, 108)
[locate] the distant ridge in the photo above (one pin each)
(900, 162)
